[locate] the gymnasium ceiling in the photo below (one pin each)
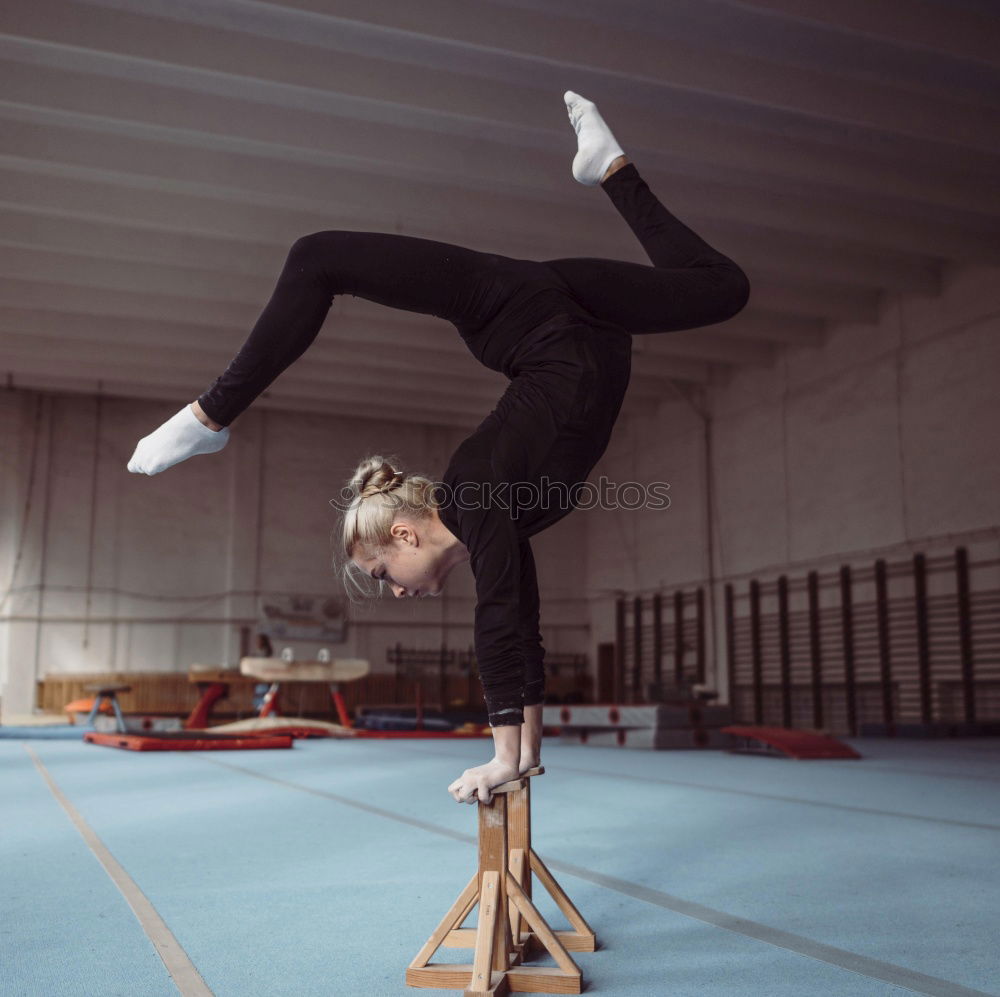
(158, 157)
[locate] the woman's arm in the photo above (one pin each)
(490, 535)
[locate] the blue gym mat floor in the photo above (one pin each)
(322, 870)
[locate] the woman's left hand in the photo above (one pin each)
(475, 784)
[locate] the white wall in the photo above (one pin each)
(882, 442)
(879, 443)
(166, 573)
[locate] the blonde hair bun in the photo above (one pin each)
(376, 475)
(379, 492)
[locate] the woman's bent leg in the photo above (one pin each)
(460, 285)
(690, 284)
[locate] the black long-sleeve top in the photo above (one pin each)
(521, 471)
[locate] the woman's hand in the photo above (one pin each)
(475, 784)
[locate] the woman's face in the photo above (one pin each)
(410, 565)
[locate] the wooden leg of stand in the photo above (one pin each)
(459, 911)
(519, 843)
(486, 935)
(493, 858)
(519, 826)
(582, 937)
(545, 934)
(518, 868)
(493, 941)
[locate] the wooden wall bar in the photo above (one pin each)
(965, 633)
(619, 685)
(847, 642)
(678, 638)
(784, 653)
(914, 641)
(700, 636)
(884, 649)
(815, 651)
(923, 637)
(755, 651)
(730, 611)
(637, 691)
(657, 640)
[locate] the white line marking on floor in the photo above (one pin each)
(876, 969)
(777, 797)
(185, 977)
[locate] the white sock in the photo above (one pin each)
(597, 146)
(183, 435)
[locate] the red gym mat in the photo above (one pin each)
(188, 740)
(786, 741)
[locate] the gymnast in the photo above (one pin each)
(561, 332)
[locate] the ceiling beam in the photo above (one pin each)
(332, 127)
(234, 301)
(119, 240)
(312, 380)
(41, 374)
(485, 43)
(970, 35)
(761, 325)
(356, 336)
(34, 376)
(238, 64)
(708, 206)
(150, 205)
(202, 290)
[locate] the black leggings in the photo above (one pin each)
(689, 285)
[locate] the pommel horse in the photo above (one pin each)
(501, 887)
(277, 670)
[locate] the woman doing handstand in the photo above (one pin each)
(561, 331)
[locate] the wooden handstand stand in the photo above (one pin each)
(502, 889)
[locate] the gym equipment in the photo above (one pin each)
(213, 684)
(188, 740)
(510, 929)
(680, 723)
(293, 726)
(278, 670)
(247, 736)
(389, 722)
(782, 741)
(387, 718)
(109, 693)
(78, 707)
(106, 701)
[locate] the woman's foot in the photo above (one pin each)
(597, 148)
(183, 435)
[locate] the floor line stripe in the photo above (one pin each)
(931, 774)
(862, 965)
(182, 971)
(777, 797)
